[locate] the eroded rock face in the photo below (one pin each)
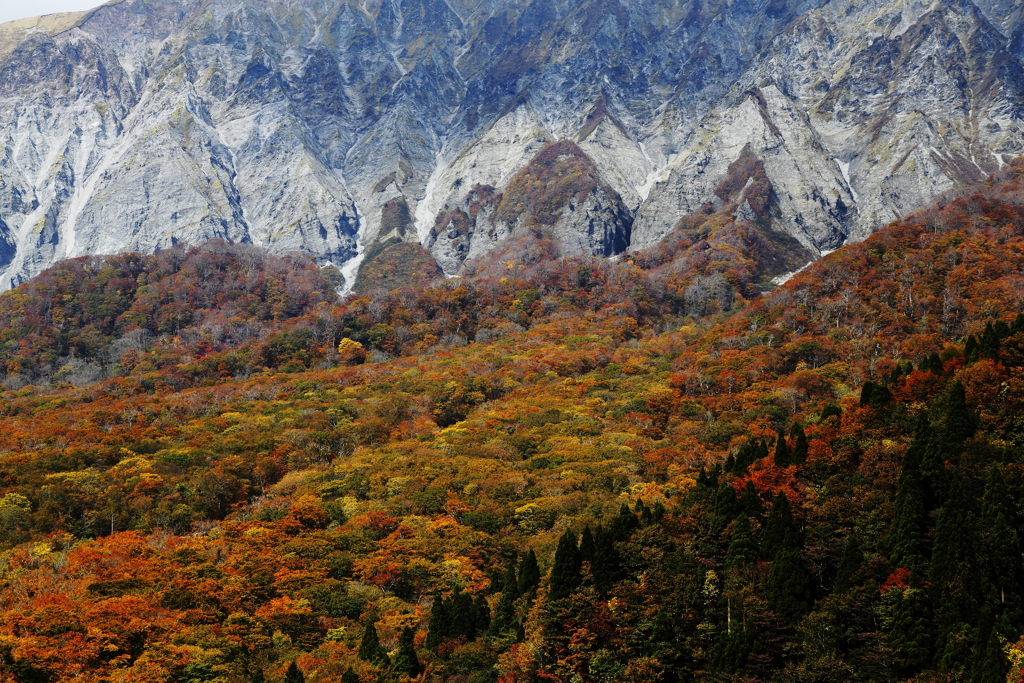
(559, 195)
(295, 124)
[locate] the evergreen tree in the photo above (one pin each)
(505, 613)
(658, 512)
(780, 532)
(644, 513)
(370, 649)
(971, 348)
(481, 615)
(954, 574)
(726, 506)
(461, 616)
(293, 675)
(908, 628)
(1002, 552)
(959, 423)
(440, 623)
(867, 393)
(349, 676)
(830, 410)
(931, 363)
(934, 476)
(529, 575)
(990, 664)
(750, 502)
(587, 549)
(625, 523)
(790, 586)
(853, 557)
(782, 456)
(904, 539)
(406, 661)
(565, 573)
(800, 448)
(874, 394)
(731, 651)
(742, 550)
(607, 565)
(988, 347)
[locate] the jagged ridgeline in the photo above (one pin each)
(400, 140)
(583, 469)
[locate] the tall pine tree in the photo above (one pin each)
(529, 575)
(853, 558)
(903, 541)
(742, 549)
(565, 573)
(505, 613)
(439, 624)
(780, 532)
(370, 649)
(293, 675)
(406, 661)
(1002, 552)
(607, 566)
(800, 448)
(790, 586)
(955, 571)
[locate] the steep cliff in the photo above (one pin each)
(294, 124)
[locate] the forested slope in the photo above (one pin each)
(577, 470)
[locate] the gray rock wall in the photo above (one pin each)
(290, 124)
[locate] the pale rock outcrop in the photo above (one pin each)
(293, 124)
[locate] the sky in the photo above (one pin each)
(19, 9)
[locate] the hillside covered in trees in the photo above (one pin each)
(213, 469)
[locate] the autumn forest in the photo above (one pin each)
(654, 468)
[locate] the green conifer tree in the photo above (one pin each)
(587, 548)
(1002, 553)
(726, 506)
(625, 523)
(903, 541)
(780, 532)
(406, 661)
(565, 572)
(782, 455)
(750, 502)
(439, 624)
(504, 615)
(742, 550)
(349, 676)
(790, 588)
(955, 587)
(461, 616)
(959, 422)
(867, 394)
(529, 575)
(481, 615)
(830, 410)
(990, 664)
(293, 675)
(907, 626)
(370, 649)
(607, 565)
(800, 448)
(853, 558)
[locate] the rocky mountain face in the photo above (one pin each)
(340, 128)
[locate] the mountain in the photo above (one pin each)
(309, 125)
